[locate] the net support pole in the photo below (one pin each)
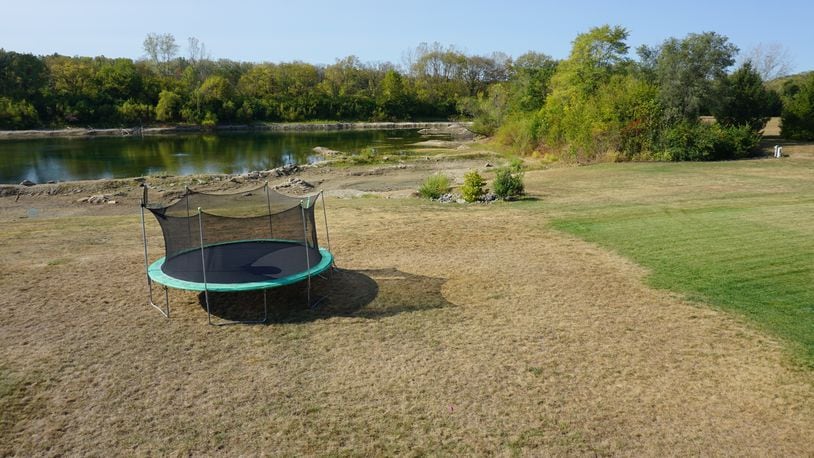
(189, 221)
(203, 265)
(268, 202)
(327, 232)
(307, 254)
(166, 310)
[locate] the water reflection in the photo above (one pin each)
(61, 159)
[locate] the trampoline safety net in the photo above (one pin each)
(237, 231)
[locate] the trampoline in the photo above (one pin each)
(251, 240)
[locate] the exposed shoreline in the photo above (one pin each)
(180, 129)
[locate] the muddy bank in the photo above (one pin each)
(455, 128)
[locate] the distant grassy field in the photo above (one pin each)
(736, 235)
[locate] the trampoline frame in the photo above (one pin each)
(326, 263)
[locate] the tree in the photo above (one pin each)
(168, 106)
(595, 57)
(117, 79)
(22, 76)
(345, 77)
(217, 97)
(798, 112)
(74, 90)
(17, 114)
(685, 71)
(742, 99)
(479, 72)
(437, 74)
(391, 101)
(133, 112)
(150, 45)
(530, 81)
(770, 60)
(594, 97)
(198, 59)
(196, 50)
(488, 110)
(161, 49)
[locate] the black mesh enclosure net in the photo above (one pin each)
(244, 237)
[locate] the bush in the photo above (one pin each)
(507, 183)
(17, 114)
(522, 132)
(516, 165)
(473, 187)
(487, 110)
(798, 112)
(210, 121)
(741, 98)
(167, 107)
(434, 186)
(709, 142)
(133, 112)
(365, 156)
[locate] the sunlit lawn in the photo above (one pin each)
(736, 235)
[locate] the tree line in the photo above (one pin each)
(55, 90)
(598, 102)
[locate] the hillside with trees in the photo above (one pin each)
(58, 91)
(598, 103)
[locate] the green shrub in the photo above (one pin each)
(473, 187)
(798, 111)
(741, 98)
(486, 109)
(168, 105)
(516, 165)
(365, 156)
(434, 186)
(709, 142)
(133, 112)
(522, 132)
(17, 114)
(210, 121)
(508, 183)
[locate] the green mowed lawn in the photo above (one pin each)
(736, 235)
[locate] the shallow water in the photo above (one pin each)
(63, 159)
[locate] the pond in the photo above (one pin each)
(63, 159)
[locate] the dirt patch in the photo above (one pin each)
(454, 329)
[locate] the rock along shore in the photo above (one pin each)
(280, 127)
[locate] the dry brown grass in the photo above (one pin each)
(455, 330)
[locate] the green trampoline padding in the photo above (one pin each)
(241, 266)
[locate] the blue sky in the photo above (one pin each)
(321, 31)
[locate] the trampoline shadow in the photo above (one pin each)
(371, 294)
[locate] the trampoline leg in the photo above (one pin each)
(265, 306)
(225, 323)
(164, 311)
(313, 305)
(208, 313)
